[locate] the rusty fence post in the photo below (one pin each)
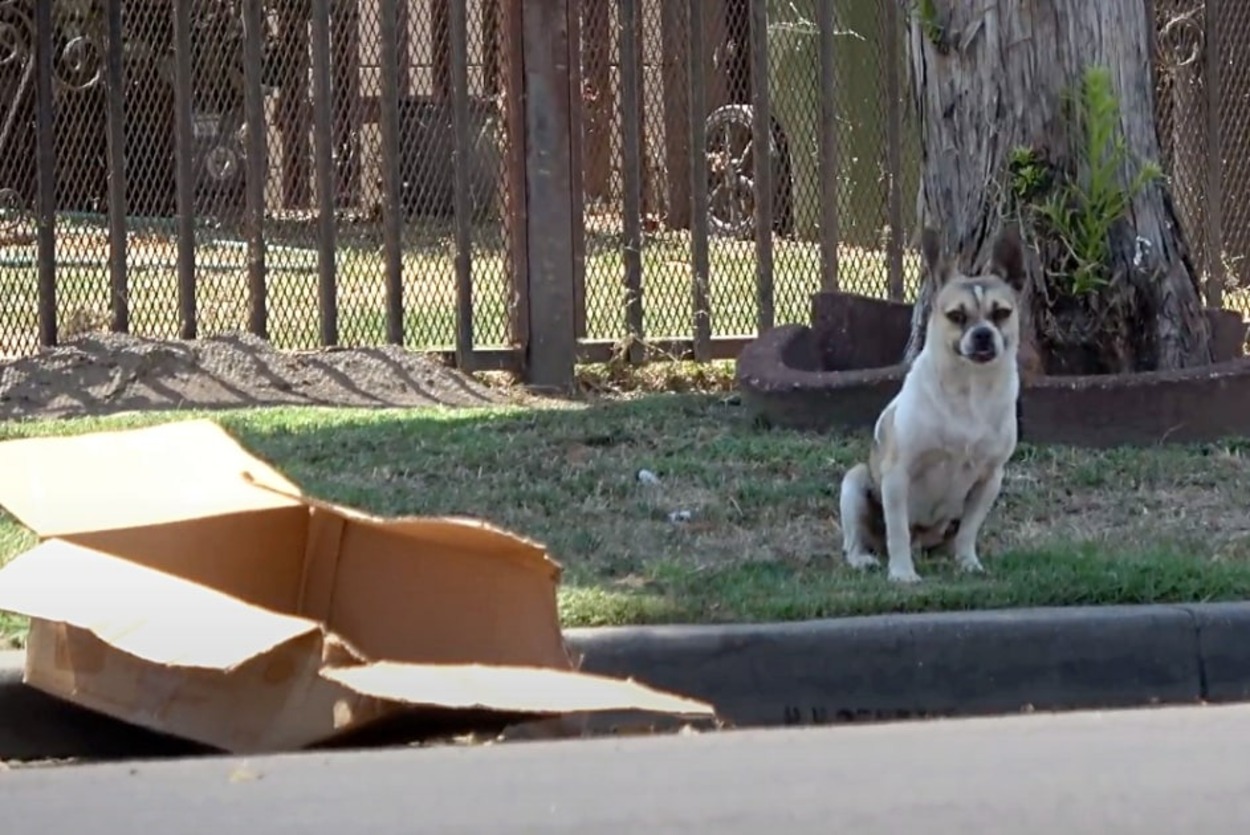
(549, 198)
(762, 151)
(115, 87)
(324, 171)
(512, 68)
(577, 164)
(1215, 156)
(893, 149)
(46, 165)
(184, 167)
(462, 157)
(257, 164)
(829, 163)
(393, 23)
(631, 113)
(696, 67)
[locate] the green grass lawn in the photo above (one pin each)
(429, 283)
(1163, 524)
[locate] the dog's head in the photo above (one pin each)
(975, 317)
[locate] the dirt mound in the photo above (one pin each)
(104, 373)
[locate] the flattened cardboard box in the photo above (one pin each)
(183, 585)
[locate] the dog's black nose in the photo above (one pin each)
(982, 340)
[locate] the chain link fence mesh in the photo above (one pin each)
(81, 187)
(635, 162)
(662, 174)
(1232, 19)
(493, 302)
(1181, 102)
(18, 314)
(1202, 52)
(602, 171)
(220, 168)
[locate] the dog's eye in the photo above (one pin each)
(957, 317)
(1000, 315)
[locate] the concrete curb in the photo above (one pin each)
(817, 672)
(950, 664)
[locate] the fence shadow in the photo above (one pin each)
(105, 373)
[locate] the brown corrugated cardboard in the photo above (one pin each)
(185, 586)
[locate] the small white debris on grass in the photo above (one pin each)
(647, 477)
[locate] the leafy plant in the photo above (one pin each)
(1081, 210)
(1030, 175)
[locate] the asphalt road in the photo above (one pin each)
(1149, 771)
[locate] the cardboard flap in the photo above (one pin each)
(508, 689)
(458, 532)
(60, 486)
(143, 612)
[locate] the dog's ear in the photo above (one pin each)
(931, 248)
(1007, 259)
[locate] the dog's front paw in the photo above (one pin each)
(861, 560)
(969, 564)
(907, 576)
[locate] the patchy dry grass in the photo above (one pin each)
(1123, 526)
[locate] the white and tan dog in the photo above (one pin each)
(939, 447)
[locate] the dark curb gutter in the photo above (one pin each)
(818, 672)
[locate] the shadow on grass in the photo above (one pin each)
(741, 525)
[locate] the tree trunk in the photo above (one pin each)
(1005, 137)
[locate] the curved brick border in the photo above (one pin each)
(777, 376)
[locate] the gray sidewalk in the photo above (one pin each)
(886, 667)
(1136, 772)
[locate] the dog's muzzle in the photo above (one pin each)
(981, 345)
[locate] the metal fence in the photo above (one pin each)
(315, 171)
(1203, 61)
(517, 184)
(736, 157)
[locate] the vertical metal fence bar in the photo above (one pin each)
(492, 73)
(184, 144)
(516, 216)
(577, 167)
(257, 164)
(440, 47)
(829, 163)
(388, 121)
(345, 87)
(697, 99)
(115, 87)
(323, 151)
(893, 150)
(459, 35)
(1215, 156)
(631, 159)
(45, 160)
(762, 146)
(403, 47)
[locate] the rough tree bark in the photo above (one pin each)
(989, 80)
